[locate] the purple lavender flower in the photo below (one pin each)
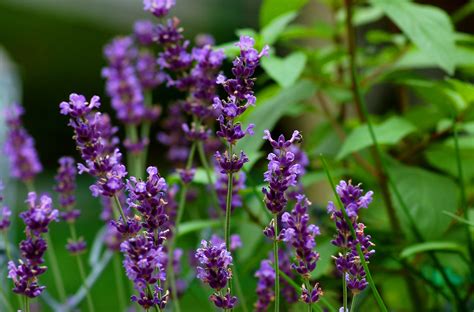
(94, 139)
(238, 181)
(25, 274)
(214, 270)
(5, 213)
(173, 135)
(202, 40)
(20, 147)
(186, 175)
(348, 262)
(282, 171)
(76, 247)
(159, 8)
(266, 282)
(66, 182)
(235, 241)
(142, 265)
(143, 31)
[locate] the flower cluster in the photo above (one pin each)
(20, 147)
(348, 262)
(66, 185)
(5, 213)
(283, 171)
(144, 266)
(95, 141)
(240, 96)
(298, 233)
(37, 218)
(214, 270)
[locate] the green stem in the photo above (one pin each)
(27, 304)
(119, 282)
(371, 282)
(238, 288)
(207, 168)
(134, 161)
(344, 292)
(353, 303)
(228, 206)
(118, 206)
(55, 268)
(276, 265)
(82, 272)
(179, 216)
(145, 129)
(463, 191)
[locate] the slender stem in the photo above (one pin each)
(145, 129)
(276, 265)
(344, 292)
(82, 272)
(134, 161)
(371, 282)
(238, 287)
(58, 280)
(119, 282)
(118, 206)
(228, 206)
(207, 168)
(172, 243)
(27, 304)
(5, 300)
(353, 303)
(463, 191)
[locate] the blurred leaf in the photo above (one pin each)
(462, 57)
(325, 263)
(266, 114)
(318, 30)
(431, 246)
(310, 178)
(271, 9)
(428, 27)
(285, 71)
(441, 156)
(390, 131)
(273, 30)
(366, 15)
(427, 195)
(196, 225)
(377, 36)
(465, 89)
(458, 218)
(230, 49)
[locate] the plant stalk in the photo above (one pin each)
(58, 280)
(119, 282)
(276, 264)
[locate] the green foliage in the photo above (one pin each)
(270, 9)
(285, 71)
(431, 246)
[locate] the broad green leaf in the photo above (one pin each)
(428, 27)
(431, 246)
(463, 57)
(274, 29)
(465, 89)
(196, 225)
(427, 195)
(318, 30)
(325, 263)
(271, 9)
(266, 114)
(389, 132)
(442, 157)
(285, 71)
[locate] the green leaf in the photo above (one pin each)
(428, 27)
(275, 28)
(441, 156)
(389, 132)
(271, 9)
(431, 246)
(196, 225)
(285, 71)
(462, 57)
(427, 195)
(266, 114)
(458, 218)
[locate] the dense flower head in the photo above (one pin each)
(24, 278)
(348, 262)
(20, 146)
(143, 31)
(96, 143)
(149, 198)
(214, 270)
(66, 181)
(159, 8)
(238, 184)
(40, 213)
(298, 233)
(230, 164)
(265, 284)
(311, 296)
(5, 212)
(282, 173)
(143, 265)
(76, 247)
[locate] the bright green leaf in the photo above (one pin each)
(389, 132)
(458, 218)
(196, 225)
(427, 195)
(428, 27)
(271, 9)
(431, 246)
(266, 114)
(274, 29)
(285, 71)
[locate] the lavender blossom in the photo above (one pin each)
(283, 171)
(5, 213)
(214, 270)
(240, 97)
(66, 182)
(20, 147)
(159, 8)
(266, 282)
(143, 31)
(25, 274)
(348, 262)
(96, 144)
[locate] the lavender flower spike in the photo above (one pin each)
(20, 147)
(348, 262)
(159, 8)
(5, 213)
(214, 270)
